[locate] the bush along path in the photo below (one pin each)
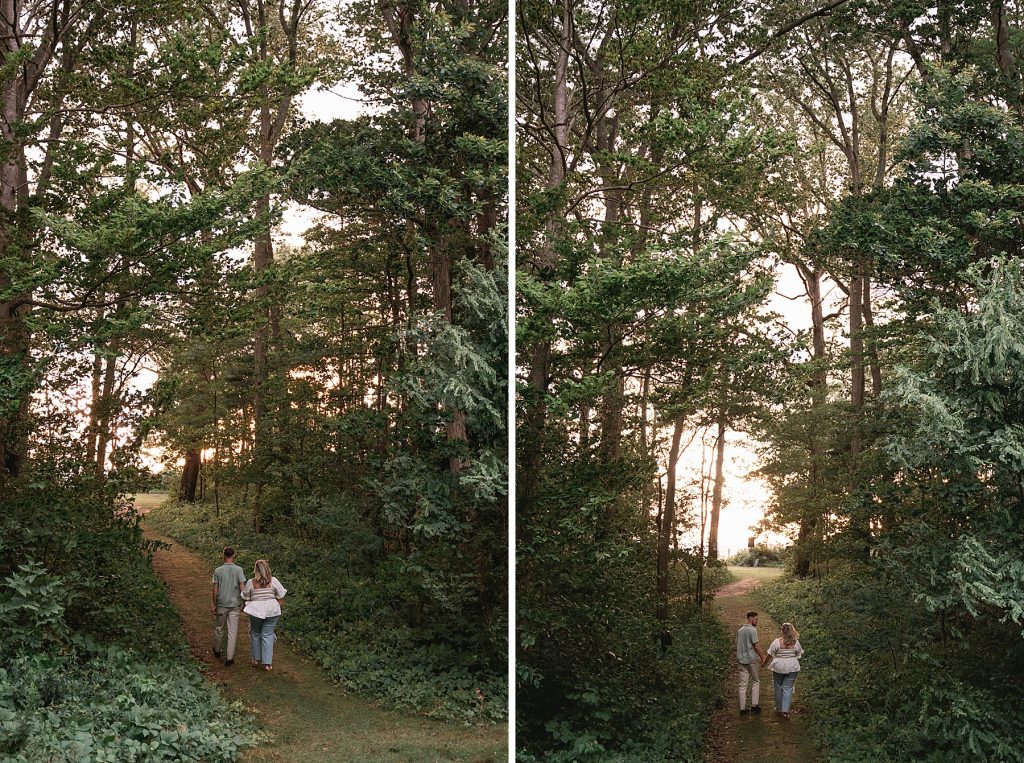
(310, 718)
(754, 738)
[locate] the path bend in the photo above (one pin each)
(311, 718)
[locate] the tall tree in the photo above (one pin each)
(32, 35)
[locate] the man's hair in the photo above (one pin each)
(228, 552)
(751, 613)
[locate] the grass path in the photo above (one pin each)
(764, 738)
(312, 719)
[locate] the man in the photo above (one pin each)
(751, 658)
(228, 580)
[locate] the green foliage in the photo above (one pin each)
(942, 699)
(605, 698)
(936, 607)
(352, 390)
(761, 555)
(106, 582)
(108, 704)
(357, 611)
(32, 609)
(634, 311)
(61, 694)
(594, 674)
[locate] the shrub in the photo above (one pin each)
(106, 704)
(941, 700)
(32, 609)
(761, 555)
(63, 697)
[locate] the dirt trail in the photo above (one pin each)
(312, 719)
(764, 738)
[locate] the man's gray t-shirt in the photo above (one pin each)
(229, 577)
(746, 637)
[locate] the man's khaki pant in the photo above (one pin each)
(226, 616)
(750, 672)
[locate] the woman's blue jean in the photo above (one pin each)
(261, 638)
(783, 685)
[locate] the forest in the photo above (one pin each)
(333, 400)
(675, 162)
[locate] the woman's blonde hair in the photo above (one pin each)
(261, 571)
(789, 634)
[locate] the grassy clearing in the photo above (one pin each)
(757, 573)
(147, 501)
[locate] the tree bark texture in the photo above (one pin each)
(190, 476)
(42, 25)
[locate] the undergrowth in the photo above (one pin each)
(884, 682)
(93, 661)
(350, 614)
(108, 704)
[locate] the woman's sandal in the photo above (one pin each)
(254, 663)
(268, 667)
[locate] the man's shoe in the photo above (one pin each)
(216, 653)
(228, 663)
(743, 711)
(755, 709)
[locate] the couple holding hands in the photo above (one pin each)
(261, 595)
(785, 653)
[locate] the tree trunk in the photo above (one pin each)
(801, 554)
(15, 96)
(860, 525)
(106, 409)
(856, 353)
(14, 337)
(263, 256)
(94, 408)
(190, 476)
(716, 498)
(668, 518)
(486, 221)
(612, 405)
(872, 349)
(539, 363)
(819, 395)
(534, 418)
(609, 171)
(272, 120)
(1005, 59)
(645, 397)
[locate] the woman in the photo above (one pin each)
(263, 595)
(785, 652)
